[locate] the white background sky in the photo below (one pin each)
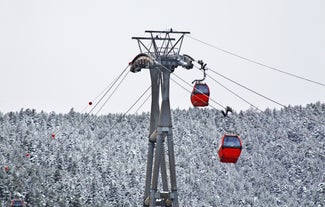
(58, 55)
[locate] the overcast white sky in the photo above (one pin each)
(58, 55)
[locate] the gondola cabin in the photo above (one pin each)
(200, 95)
(230, 148)
(17, 203)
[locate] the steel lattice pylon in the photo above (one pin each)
(161, 56)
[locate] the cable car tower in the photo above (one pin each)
(160, 53)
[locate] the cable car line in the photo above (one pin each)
(241, 85)
(257, 63)
(282, 105)
(127, 110)
(108, 90)
(223, 77)
(111, 84)
(116, 122)
(112, 92)
(144, 93)
(143, 103)
(238, 97)
(234, 93)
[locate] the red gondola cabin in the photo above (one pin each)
(17, 203)
(230, 148)
(200, 95)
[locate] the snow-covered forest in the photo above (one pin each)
(75, 159)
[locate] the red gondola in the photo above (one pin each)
(17, 203)
(200, 95)
(230, 148)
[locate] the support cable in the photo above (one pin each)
(143, 103)
(282, 105)
(258, 63)
(113, 92)
(235, 94)
(116, 122)
(241, 85)
(108, 90)
(224, 87)
(111, 85)
(127, 110)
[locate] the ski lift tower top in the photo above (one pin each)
(163, 49)
(160, 53)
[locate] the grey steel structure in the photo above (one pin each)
(160, 53)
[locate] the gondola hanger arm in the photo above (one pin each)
(203, 65)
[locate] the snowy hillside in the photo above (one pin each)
(75, 160)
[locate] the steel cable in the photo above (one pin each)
(256, 62)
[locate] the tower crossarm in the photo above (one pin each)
(167, 31)
(161, 43)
